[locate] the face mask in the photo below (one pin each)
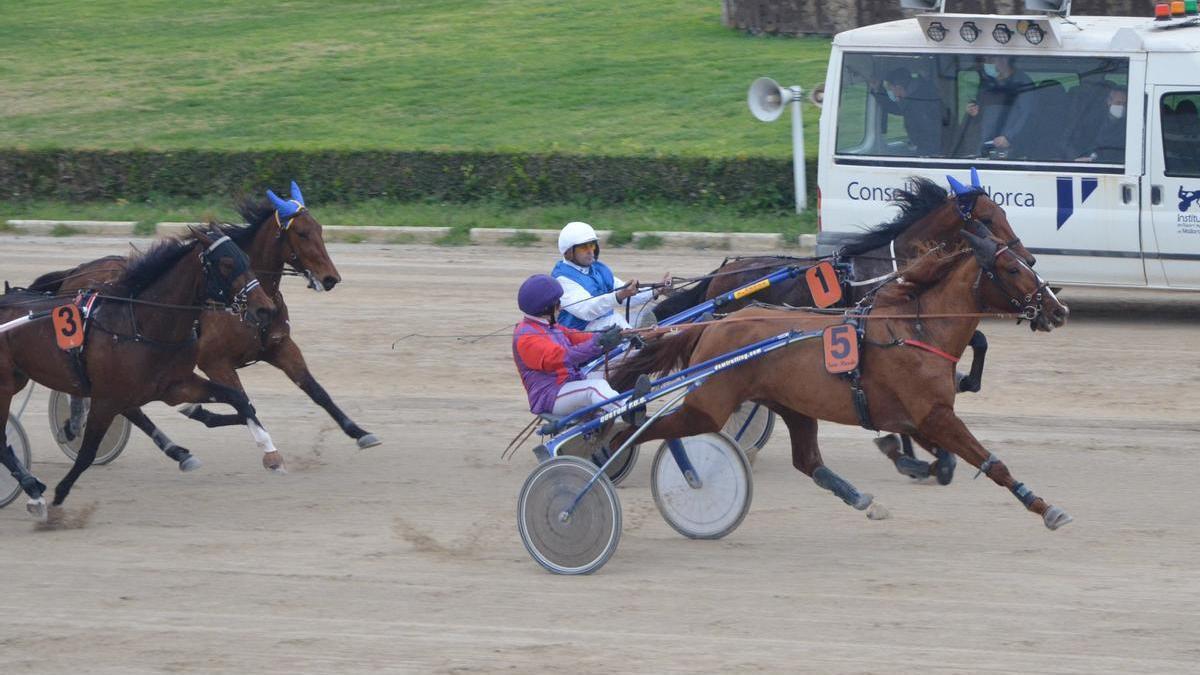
(1117, 111)
(989, 69)
(892, 95)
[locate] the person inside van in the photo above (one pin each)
(1086, 109)
(1107, 145)
(917, 101)
(1005, 102)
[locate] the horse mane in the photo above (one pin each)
(255, 212)
(931, 266)
(920, 197)
(145, 268)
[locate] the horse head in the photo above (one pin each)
(229, 279)
(303, 241)
(1014, 286)
(973, 203)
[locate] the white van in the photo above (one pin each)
(1085, 129)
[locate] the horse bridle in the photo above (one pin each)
(1031, 307)
(219, 288)
(966, 211)
(294, 258)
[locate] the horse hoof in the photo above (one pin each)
(190, 463)
(864, 500)
(37, 508)
(913, 468)
(944, 467)
(1055, 518)
(888, 445)
(878, 511)
(368, 441)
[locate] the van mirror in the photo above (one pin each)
(1061, 7)
(938, 6)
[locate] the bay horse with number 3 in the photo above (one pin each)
(138, 347)
(279, 233)
(929, 214)
(905, 365)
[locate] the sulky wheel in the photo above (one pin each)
(10, 489)
(751, 426)
(716, 502)
(621, 467)
(577, 544)
(110, 446)
(592, 449)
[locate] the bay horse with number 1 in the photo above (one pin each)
(903, 382)
(129, 348)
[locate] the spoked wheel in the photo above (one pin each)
(10, 489)
(751, 426)
(716, 502)
(579, 543)
(110, 446)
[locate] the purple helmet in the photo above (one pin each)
(538, 294)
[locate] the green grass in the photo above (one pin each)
(638, 77)
(624, 220)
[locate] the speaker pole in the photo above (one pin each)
(798, 172)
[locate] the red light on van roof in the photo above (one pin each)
(1162, 11)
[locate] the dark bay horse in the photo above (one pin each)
(281, 233)
(929, 214)
(906, 372)
(139, 343)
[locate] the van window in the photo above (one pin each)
(983, 107)
(1181, 133)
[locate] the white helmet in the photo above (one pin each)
(574, 234)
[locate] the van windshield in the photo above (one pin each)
(983, 107)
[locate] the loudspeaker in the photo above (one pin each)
(767, 99)
(816, 95)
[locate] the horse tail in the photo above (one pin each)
(50, 282)
(685, 299)
(657, 358)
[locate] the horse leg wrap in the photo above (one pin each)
(75, 423)
(912, 467)
(943, 468)
(829, 480)
(32, 486)
(1024, 494)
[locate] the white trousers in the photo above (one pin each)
(582, 393)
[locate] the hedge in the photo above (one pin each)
(88, 175)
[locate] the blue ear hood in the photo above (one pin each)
(958, 188)
(974, 179)
(300, 198)
(286, 208)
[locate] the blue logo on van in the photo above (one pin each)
(1187, 198)
(1066, 195)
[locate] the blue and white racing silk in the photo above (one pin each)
(589, 300)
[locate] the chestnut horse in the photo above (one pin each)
(139, 344)
(928, 214)
(280, 233)
(905, 379)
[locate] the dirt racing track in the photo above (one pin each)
(405, 557)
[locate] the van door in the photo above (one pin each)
(1173, 177)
